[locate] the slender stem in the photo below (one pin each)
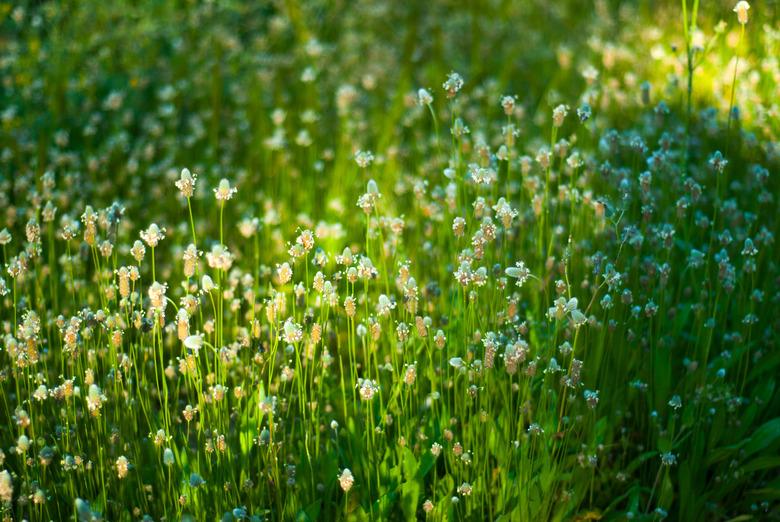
(733, 89)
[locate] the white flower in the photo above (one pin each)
(368, 389)
(519, 272)
(224, 191)
(293, 332)
(578, 317)
(364, 158)
(157, 295)
(453, 84)
(559, 114)
(153, 235)
(6, 487)
(742, 11)
(384, 306)
(561, 307)
(457, 363)
(186, 183)
(346, 480)
(122, 467)
(424, 97)
(207, 284)
(194, 343)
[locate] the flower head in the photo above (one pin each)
(364, 158)
(224, 191)
(742, 11)
(186, 183)
(346, 480)
(453, 84)
(153, 235)
(424, 97)
(519, 272)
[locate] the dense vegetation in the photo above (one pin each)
(389, 260)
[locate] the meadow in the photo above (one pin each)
(332, 260)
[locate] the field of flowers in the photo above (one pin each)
(377, 260)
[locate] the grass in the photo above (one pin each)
(322, 261)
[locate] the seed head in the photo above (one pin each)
(453, 84)
(224, 191)
(364, 158)
(742, 11)
(346, 480)
(424, 97)
(186, 183)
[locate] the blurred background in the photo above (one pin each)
(283, 90)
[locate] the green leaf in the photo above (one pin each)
(309, 513)
(766, 435)
(425, 465)
(409, 464)
(410, 495)
(761, 463)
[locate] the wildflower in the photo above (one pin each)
(458, 226)
(346, 480)
(157, 295)
(457, 363)
(95, 400)
(410, 375)
(584, 112)
(592, 398)
(668, 458)
(749, 249)
(22, 444)
(194, 343)
(508, 104)
(364, 158)
(578, 318)
(561, 308)
(350, 306)
(519, 272)
(742, 11)
(89, 218)
(424, 97)
(196, 480)
(453, 84)
(427, 506)
(122, 467)
(504, 212)
(5, 237)
(153, 235)
(465, 489)
(123, 275)
(384, 306)
(224, 191)
(190, 257)
(368, 388)
(717, 162)
(559, 114)
(207, 283)
(138, 251)
(368, 200)
(292, 332)
(306, 241)
(248, 226)
(186, 183)
(6, 487)
(219, 258)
